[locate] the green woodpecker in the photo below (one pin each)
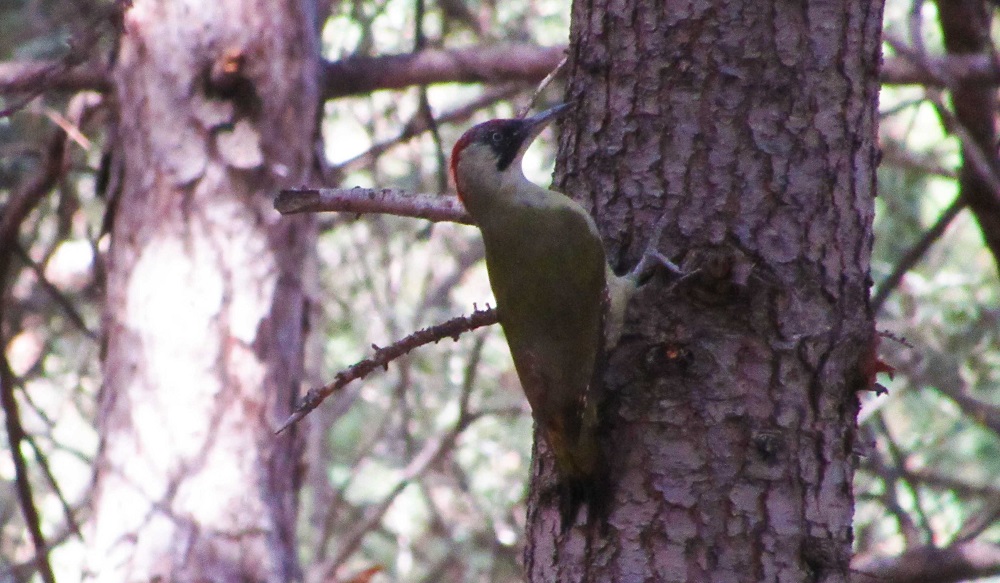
(559, 303)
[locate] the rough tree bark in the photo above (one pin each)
(205, 304)
(732, 398)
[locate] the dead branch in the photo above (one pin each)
(957, 562)
(895, 473)
(971, 69)
(53, 75)
(350, 76)
(359, 200)
(541, 87)
(481, 64)
(383, 356)
(518, 62)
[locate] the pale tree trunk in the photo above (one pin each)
(751, 126)
(205, 308)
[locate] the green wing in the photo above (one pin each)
(547, 270)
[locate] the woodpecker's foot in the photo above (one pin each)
(651, 261)
(668, 264)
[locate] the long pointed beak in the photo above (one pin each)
(535, 124)
(549, 114)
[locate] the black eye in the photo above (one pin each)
(496, 138)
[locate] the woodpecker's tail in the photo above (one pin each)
(592, 492)
(584, 479)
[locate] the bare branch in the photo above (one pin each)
(541, 87)
(978, 522)
(418, 124)
(898, 474)
(57, 295)
(350, 76)
(53, 75)
(43, 462)
(359, 75)
(955, 483)
(983, 413)
(897, 156)
(383, 356)
(980, 182)
(27, 80)
(485, 64)
(392, 201)
(13, 214)
(971, 69)
(958, 562)
(916, 253)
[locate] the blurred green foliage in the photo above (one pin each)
(929, 471)
(434, 451)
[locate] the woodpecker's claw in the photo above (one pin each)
(652, 257)
(668, 264)
(650, 261)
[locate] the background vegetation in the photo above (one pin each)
(420, 473)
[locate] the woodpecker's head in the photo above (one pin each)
(488, 157)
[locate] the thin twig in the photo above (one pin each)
(977, 523)
(72, 130)
(429, 454)
(901, 474)
(424, 104)
(43, 463)
(900, 107)
(541, 87)
(888, 496)
(440, 157)
(418, 124)
(425, 458)
(892, 281)
(71, 312)
(893, 155)
(383, 356)
(359, 200)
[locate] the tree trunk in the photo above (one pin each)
(732, 398)
(205, 307)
